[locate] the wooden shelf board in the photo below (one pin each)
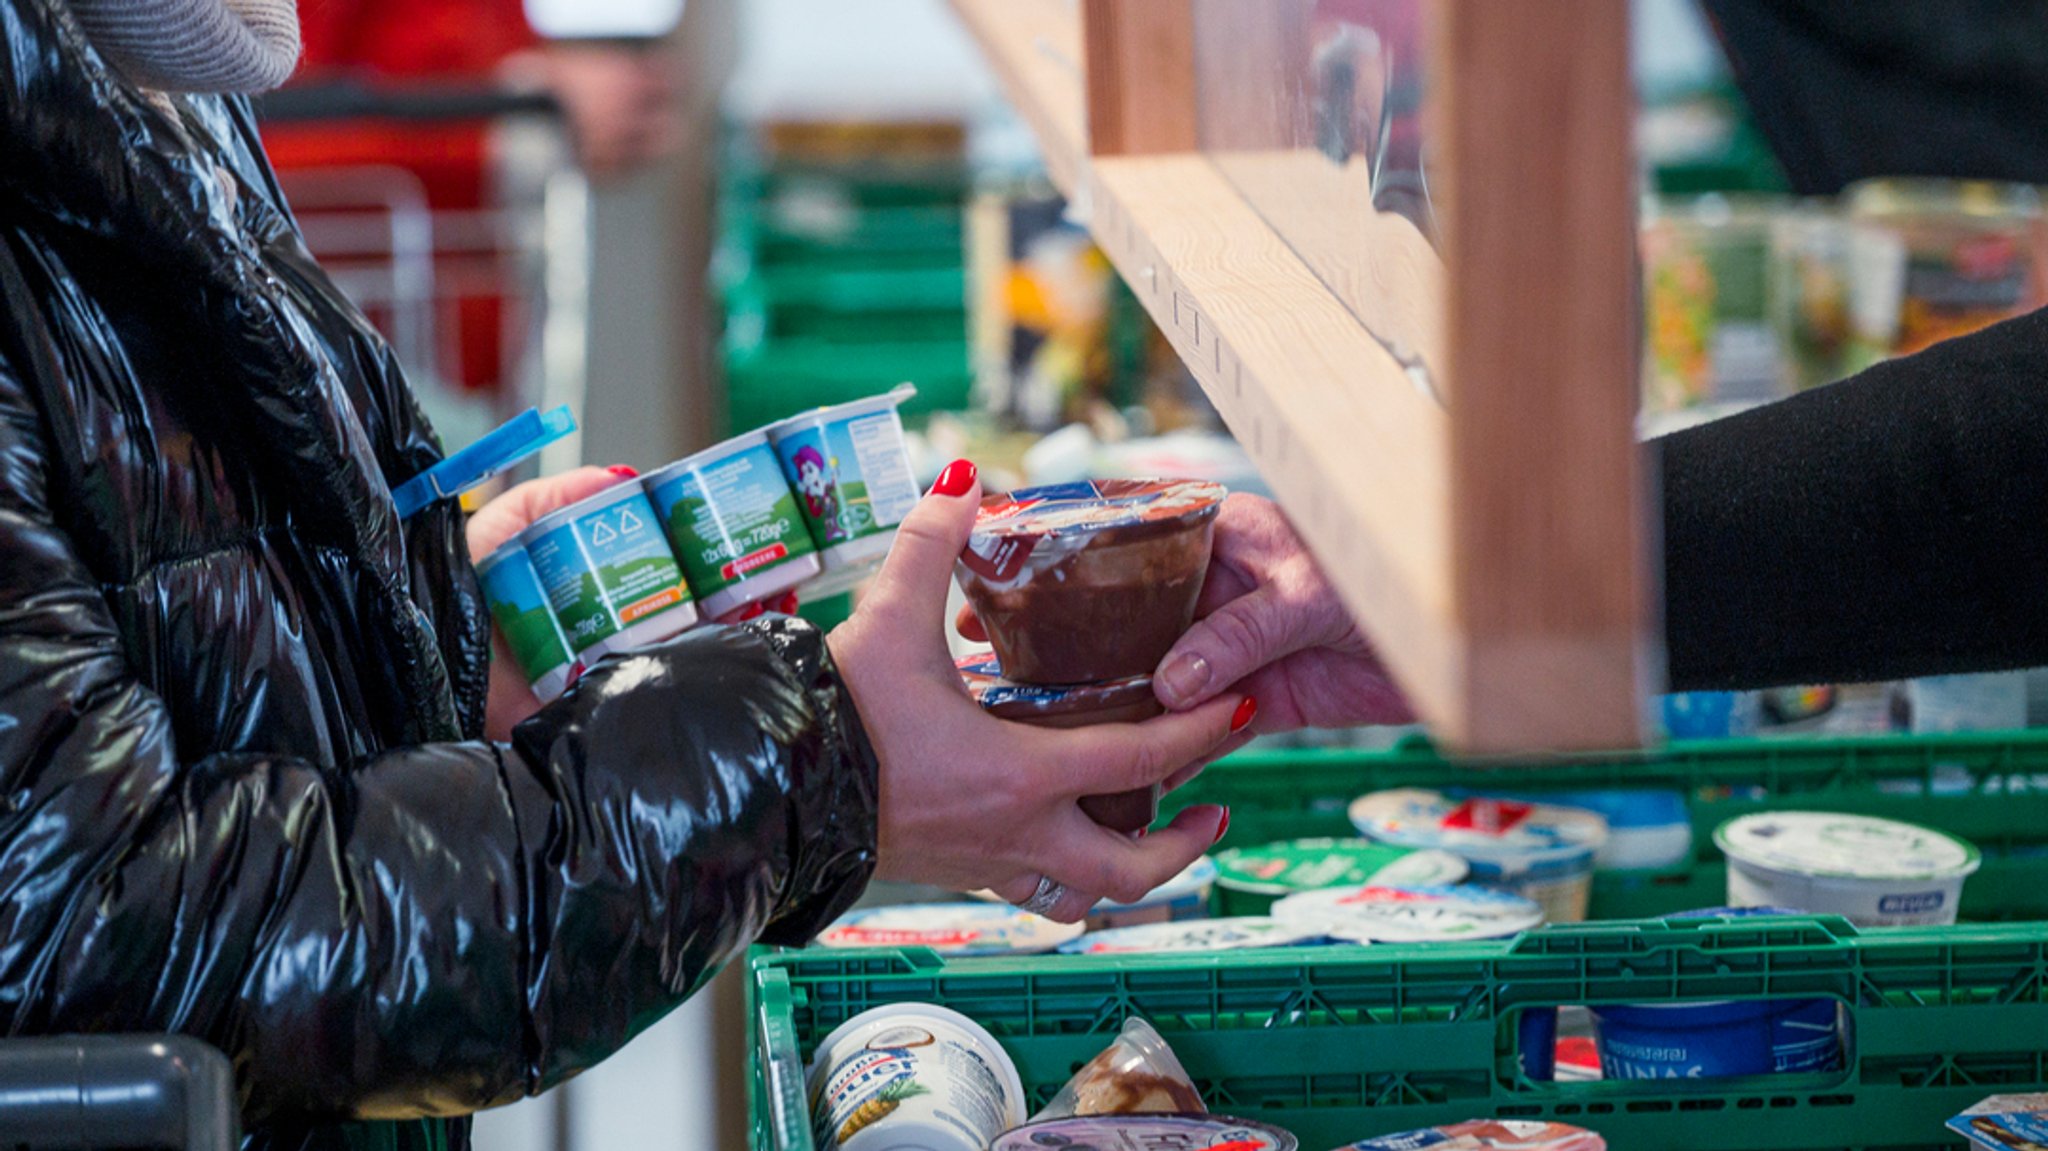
(1035, 48)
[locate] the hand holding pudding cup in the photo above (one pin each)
(969, 801)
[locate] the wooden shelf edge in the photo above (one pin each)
(1034, 46)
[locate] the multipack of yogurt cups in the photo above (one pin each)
(811, 502)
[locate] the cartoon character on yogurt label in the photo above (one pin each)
(820, 491)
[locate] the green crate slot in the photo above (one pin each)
(1338, 1044)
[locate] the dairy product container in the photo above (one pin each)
(609, 573)
(912, 1077)
(849, 466)
(733, 521)
(1873, 872)
(519, 606)
(1538, 851)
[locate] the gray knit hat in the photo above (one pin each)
(195, 45)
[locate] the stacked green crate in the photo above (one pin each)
(840, 280)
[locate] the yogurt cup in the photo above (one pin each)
(956, 929)
(1488, 1135)
(1380, 914)
(609, 573)
(734, 524)
(1089, 581)
(2003, 1122)
(1536, 851)
(519, 606)
(1250, 879)
(1712, 1040)
(1185, 896)
(849, 467)
(912, 1077)
(1647, 830)
(1872, 872)
(1147, 1133)
(1128, 700)
(1198, 935)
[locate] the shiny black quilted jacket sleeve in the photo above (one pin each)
(441, 928)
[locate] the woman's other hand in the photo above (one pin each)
(490, 528)
(969, 801)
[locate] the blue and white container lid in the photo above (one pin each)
(956, 929)
(1383, 914)
(1505, 840)
(2005, 1121)
(1231, 933)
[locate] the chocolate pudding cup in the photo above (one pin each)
(1127, 700)
(1081, 583)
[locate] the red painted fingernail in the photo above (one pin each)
(1143, 832)
(1222, 826)
(624, 471)
(956, 479)
(1243, 716)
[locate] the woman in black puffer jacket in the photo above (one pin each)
(244, 789)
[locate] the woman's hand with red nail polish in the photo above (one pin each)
(969, 801)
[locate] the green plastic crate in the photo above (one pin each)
(1338, 1044)
(772, 380)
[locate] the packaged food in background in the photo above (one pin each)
(1932, 259)
(1709, 714)
(1379, 914)
(1648, 829)
(609, 573)
(1873, 872)
(1250, 879)
(732, 519)
(912, 1075)
(1488, 1135)
(1184, 897)
(955, 929)
(1541, 852)
(1138, 1073)
(850, 468)
(1077, 583)
(2005, 1123)
(1234, 933)
(1809, 292)
(1986, 701)
(1147, 1133)
(1707, 323)
(519, 607)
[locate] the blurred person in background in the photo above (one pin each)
(246, 789)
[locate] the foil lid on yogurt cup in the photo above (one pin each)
(1147, 1133)
(1382, 914)
(1193, 935)
(957, 929)
(1819, 843)
(1009, 527)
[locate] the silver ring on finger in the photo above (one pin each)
(1048, 895)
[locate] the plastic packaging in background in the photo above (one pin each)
(1250, 879)
(1184, 897)
(2005, 1123)
(1537, 851)
(1809, 293)
(1147, 1133)
(1873, 872)
(732, 519)
(519, 606)
(1137, 1073)
(609, 573)
(1989, 701)
(1380, 914)
(850, 467)
(1488, 1135)
(1706, 284)
(1079, 583)
(1646, 830)
(1931, 259)
(960, 929)
(915, 1076)
(1709, 714)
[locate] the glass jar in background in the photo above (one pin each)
(1930, 259)
(1809, 292)
(1709, 342)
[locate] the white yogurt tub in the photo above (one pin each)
(1872, 872)
(956, 929)
(912, 1077)
(1536, 851)
(849, 466)
(609, 573)
(733, 521)
(1383, 914)
(1196, 935)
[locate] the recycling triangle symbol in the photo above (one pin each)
(602, 533)
(628, 522)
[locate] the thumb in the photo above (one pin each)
(911, 590)
(1229, 644)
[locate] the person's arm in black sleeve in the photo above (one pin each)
(442, 927)
(1892, 525)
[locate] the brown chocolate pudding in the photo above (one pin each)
(1086, 582)
(1127, 700)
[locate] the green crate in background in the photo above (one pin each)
(774, 380)
(1338, 1044)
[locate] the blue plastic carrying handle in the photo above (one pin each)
(518, 438)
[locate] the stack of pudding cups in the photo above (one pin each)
(812, 502)
(1083, 588)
